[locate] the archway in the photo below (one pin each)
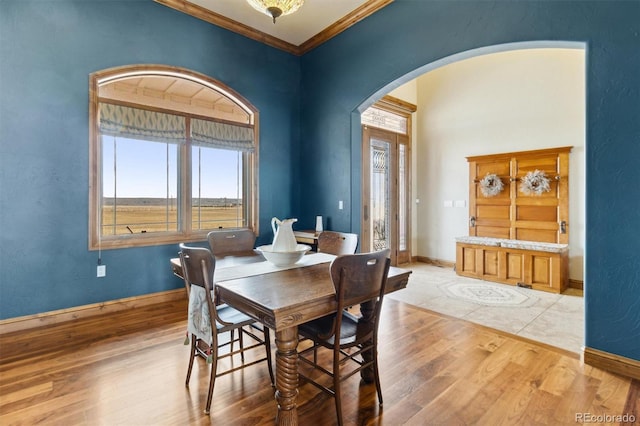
(435, 239)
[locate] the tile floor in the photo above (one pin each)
(554, 319)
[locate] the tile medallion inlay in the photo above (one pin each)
(489, 294)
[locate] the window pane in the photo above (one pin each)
(139, 186)
(402, 197)
(379, 202)
(386, 120)
(217, 182)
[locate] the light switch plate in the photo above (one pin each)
(460, 203)
(448, 203)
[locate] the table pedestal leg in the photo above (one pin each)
(287, 376)
(366, 310)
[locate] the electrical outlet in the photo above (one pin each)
(340, 205)
(101, 271)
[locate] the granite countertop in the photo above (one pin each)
(514, 244)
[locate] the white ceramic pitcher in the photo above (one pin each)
(283, 238)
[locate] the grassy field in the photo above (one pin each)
(132, 219)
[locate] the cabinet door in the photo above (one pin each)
(490, 263)
(490, 215)
(541, 270)
(546, 271)
(538, 217)
(466, 261)
(514, 265)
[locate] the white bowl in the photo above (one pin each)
(283, 258)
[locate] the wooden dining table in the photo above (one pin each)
(282, 300)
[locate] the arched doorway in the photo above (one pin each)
(456, 118)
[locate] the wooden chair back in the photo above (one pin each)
(337, 243)
(361, 277)
(223, 242)
(198, 267)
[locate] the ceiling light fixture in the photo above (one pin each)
(275, 8)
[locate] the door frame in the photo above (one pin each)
(405, 110)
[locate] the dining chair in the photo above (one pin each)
(224, 242)
(337, 242)
(358, 279)
(208, 320)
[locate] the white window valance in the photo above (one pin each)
(134, 123)
(214, 134)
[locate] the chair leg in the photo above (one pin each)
(336, 388)
(241, 342)
(376, 374)
(267, 345)
(192, 355)
(212, 379)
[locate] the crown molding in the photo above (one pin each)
(342, 24)
(331, 31)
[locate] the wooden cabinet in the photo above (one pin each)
(518, 236)
(533, 265)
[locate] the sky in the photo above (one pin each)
(142, 170)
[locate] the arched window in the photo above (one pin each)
(173, 155)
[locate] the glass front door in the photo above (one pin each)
(385, 212)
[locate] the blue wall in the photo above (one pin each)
(48, 50)
(407, 35)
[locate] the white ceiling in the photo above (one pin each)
(296, 28)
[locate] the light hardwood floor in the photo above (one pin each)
(129, 369)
